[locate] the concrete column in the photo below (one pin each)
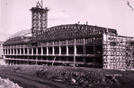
(17, 51)
(67, 50)
(36, 51)
(75, 52)
(41, 50)
(53, 50)
(47, 50)
(32, 50)
(59, 50)
(23, 50)
(5, 51)
(20, 50)
(8, 51)
(84, 47)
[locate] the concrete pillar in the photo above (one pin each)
(23, 50)
(59, 50)
(32, 50)
(67, 50)
(5, 51)
(75, 52)
(47, 50)
(36, 51)
(17, 51)
(53, 50)
(41, 50)
(20, 50)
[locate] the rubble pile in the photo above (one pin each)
(83, 78)
(6, 83)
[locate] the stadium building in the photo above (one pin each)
(70, 44)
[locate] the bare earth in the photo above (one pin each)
(26, 76)
(28, 81)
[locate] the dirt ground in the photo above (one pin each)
(26, 76)
(30, 81)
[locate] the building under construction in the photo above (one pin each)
(70, 44)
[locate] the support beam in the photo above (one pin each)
(36, 51)
(47, 50)
(53, 50)
(75, 52)
(67, 50)
(41, 50)
(32, 50)
(59, 50)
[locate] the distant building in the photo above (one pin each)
(70, 44)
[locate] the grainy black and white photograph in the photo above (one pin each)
(66, 44)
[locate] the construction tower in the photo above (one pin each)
(39, 19)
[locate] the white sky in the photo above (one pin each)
(16, 16)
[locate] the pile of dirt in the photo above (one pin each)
(78, 77)
(6, 83)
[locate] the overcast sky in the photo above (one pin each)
(16, 16)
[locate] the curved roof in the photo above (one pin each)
(60, 32)
(70, 31)
(19, 37)
(20, 33)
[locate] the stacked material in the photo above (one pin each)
(6, 83)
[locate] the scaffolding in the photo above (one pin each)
(118, 52)
(39, 19)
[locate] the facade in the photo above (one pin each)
(70, 44)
